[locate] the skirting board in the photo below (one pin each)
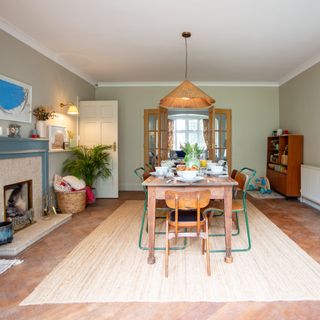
(310, 203)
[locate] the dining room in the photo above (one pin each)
(178, 173)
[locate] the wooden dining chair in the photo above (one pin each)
(142, 174)
(186, 214)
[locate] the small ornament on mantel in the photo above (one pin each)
(42, 114)
(14, 131)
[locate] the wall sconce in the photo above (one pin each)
(72, 110)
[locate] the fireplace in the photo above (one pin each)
(18, 206)
(24, 179)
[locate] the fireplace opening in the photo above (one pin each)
(18, 204)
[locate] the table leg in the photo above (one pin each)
(151, 223)
(228, 222)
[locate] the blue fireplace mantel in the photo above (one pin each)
(26, 147)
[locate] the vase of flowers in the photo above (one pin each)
(42, 114)
(192, 157)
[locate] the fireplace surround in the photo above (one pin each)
(21, 160)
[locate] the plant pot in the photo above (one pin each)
(6, 232)
(41, 128)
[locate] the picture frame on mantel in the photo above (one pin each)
(15, 100)
(57, 136)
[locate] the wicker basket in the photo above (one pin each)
(71, 202)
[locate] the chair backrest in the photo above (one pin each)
(233, 173)
(139, 172)
(250, 173)
(187, 200)
(242, 180)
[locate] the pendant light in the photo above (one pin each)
(187, 95)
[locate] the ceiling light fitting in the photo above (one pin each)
(72, 110)
(187, 95)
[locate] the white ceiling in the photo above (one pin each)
(140, 40)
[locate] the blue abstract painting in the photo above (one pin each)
(15, 100)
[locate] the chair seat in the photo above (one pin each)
(237, 205)
(186, 216)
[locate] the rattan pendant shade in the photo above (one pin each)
(187, 95)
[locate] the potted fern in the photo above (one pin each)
(89, 163)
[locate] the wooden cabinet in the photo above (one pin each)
(284, 159)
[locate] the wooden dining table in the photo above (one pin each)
(220, 188)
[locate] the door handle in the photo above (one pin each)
(114, 146)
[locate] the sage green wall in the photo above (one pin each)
(300, 111)
(51, 84)
(255, 113)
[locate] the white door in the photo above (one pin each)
(99, 125)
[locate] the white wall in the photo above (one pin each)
(300, 111)
(255, 113)
(51, 84)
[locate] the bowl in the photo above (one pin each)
(188, 174)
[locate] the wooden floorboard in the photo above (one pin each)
(298, 221)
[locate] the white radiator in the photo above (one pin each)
(310, 184)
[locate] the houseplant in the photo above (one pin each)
(89, 163)
(42, 114)
(193, 152)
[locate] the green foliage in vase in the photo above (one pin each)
(89, 163)
(191, 151)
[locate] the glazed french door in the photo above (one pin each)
(155, 136)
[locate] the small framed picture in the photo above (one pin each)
(57, 137)
(66, 146)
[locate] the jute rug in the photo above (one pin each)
(258, 195)
(107, 266)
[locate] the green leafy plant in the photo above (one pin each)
(191, 150)
(42, 113)
(89, 163)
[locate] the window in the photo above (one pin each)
(188, 129)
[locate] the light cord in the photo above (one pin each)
(186, 72)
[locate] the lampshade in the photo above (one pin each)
(73, 110)
(187, 95)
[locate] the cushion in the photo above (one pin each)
(60, 185)
(74, 182)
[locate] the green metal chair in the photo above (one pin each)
(245, 175)
(139, 172)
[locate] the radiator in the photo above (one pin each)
(310, 183)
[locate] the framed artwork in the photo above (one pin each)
(15, 100)
(57, 137)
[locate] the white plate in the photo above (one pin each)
(189, 180)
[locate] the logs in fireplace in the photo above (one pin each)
(18, 204)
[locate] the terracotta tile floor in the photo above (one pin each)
(298, 221)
